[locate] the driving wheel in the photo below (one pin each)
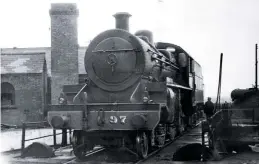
(142, 144)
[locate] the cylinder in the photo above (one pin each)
(122, 20)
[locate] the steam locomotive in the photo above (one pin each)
(137, 93)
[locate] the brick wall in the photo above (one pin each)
(64, 47)
(28, 98)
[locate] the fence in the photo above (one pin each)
(38, 124)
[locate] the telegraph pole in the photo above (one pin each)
(256, 47)
(217, 106)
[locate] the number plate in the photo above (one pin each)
(117, 119)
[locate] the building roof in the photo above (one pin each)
(13, 52)
(22, 63)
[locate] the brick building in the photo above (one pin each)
(32, 78)
(18, 73)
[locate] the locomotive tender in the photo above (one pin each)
(137, 93)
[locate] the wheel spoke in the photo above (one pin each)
(142, 144)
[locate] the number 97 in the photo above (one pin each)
(114, 119)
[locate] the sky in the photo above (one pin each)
(204, 28)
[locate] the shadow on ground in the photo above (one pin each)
(193, 152)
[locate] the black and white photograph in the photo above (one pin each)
(129, 81)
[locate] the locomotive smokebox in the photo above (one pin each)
(122, 20)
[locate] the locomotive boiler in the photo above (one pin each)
(136, 95)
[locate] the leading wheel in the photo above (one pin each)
(80, 145)
(142, 144)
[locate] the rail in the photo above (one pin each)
(38, 124)
(155, 152)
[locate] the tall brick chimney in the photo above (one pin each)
(64, 47)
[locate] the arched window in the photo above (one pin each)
(7, 94)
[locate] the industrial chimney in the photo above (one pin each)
(64, 47)
(122, 20)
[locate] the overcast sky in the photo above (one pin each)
(205, 28)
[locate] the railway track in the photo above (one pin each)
(153, 153)
(150, 155)
(166, 145)
(90, 153)
(95, 153)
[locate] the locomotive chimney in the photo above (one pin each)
(122, 20)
